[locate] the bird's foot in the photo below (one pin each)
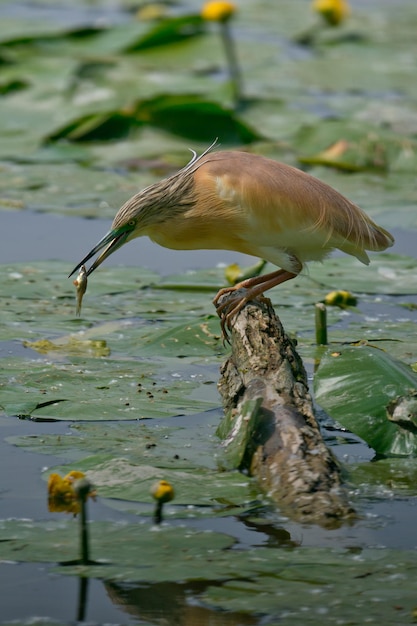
(222, 292)
(250, 289)
(230, 307)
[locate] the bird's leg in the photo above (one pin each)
(255, 287)
(248, 283)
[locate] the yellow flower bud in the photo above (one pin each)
(162, 491)
(332, 11)
(218, 11)
(153, 11)
(340, 298)
(235, 274)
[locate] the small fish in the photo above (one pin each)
(81, 284)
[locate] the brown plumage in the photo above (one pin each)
(239, 201)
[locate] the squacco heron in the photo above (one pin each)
(230, 200)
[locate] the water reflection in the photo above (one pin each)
(273, 536)
(173, 604)
(82, 599)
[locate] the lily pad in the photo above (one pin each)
(305, 584)
(324, 587)
(138, 328)
(355, 385)
(122, 551)
(128, 459)
(177, 443)
(355, 147)
(385, 478)
(191, 116)
(105, 390)
(196, 487)
(387, 274)
(168, 31)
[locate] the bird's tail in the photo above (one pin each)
(378, 239)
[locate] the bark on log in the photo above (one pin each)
(269, 425)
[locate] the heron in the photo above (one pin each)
(245, 202)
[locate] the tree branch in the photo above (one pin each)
(269, 428)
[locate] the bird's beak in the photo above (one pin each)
(110, 242)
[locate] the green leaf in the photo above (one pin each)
(169, 31)
(97, 127)
(127, 552)
(387, 274)
(323, 587)
(355, 385)
(188, 115)
(195, 487)
(100, 389)
(299, 585)
(196, 117)
(353, 146)
(385, 478)
(179, 443)
(124, 460)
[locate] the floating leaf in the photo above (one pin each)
(385, 478)
(99, 389)
(178, 443)
(191, 116)
(97, 127)
(387, 274)
(303, 584)
(168, 31)
(355, 385)
(126, 551)
(346, 156)
(197, 118)
(352, 147)
(197, 487)
(320, 586)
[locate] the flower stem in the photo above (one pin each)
(321, 324)
(82, 490)
(157, 517)
(232, 63)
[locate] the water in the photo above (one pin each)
(30, 236)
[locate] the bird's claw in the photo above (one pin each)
(228, 309)
(225, 321)
(225, 330)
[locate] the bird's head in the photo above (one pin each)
(124, 228)
(145, 211)
(141, 215)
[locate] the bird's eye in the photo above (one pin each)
(131, 223)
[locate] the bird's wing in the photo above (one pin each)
(284, 207)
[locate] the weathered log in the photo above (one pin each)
(269, 428)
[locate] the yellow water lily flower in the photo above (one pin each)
(61, 495)
(332, 11)
(217, 11)
(235, 274)
(153, 11)
(340, 298)
(163, 491)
